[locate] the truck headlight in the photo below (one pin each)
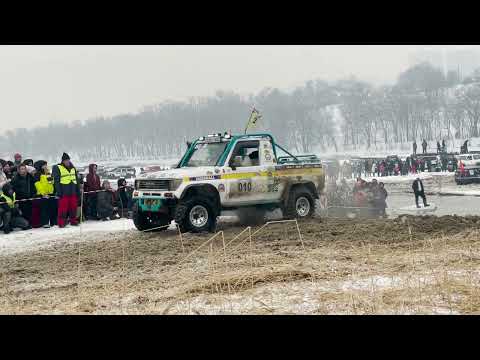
(175, 184)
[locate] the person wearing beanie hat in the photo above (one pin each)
(38, 165)
(67, 190)
(24, 187)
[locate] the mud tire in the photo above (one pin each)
(290, 210)
(183, 215)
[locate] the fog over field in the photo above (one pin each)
(118, 102)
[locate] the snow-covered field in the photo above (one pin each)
(411, 177)
(20, 241)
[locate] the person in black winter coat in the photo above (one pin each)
(419, 191)
(124, 193)
(23, 185)
(381, 199)
(10, 211)
(106, 202)
(424, 146)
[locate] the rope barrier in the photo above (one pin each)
(82, 195)
(40, 197)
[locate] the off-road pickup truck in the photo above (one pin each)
(227, 172)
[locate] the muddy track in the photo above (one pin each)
(66, 278)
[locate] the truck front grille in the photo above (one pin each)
(153, 185)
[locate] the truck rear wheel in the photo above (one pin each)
(300, 204)
(195, 215)
(143, 221)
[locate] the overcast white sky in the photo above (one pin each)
(40, 84)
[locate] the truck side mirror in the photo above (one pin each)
(235, 162)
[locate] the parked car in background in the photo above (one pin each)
(469, 160)
(468, 176)
(126, 172)
(153, 168)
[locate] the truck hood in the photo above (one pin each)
(182, 173)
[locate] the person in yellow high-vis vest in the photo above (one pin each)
(46, 194)
(67, 190)
(10, 212)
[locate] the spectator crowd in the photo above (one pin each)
(367, 198)
(34, 195)
(439, 161)
(390, 166)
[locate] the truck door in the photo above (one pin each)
(244, 182)
(253, 179)
(273, 185)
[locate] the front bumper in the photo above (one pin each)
(154, 201)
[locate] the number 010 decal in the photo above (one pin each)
(244, 186)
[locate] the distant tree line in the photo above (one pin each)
(318, 116)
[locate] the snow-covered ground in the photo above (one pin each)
(410, 177)
(459, 191)
(34, 239)
(20, 241)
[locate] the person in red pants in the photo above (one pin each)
(67, 190)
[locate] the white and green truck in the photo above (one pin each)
(227, 172)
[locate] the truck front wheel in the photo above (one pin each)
(143, 221)
(196, 215)
(300, 204)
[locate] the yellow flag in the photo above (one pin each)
(253, 120)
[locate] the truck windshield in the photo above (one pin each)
(206, 154)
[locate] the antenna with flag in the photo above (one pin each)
(252, 121)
